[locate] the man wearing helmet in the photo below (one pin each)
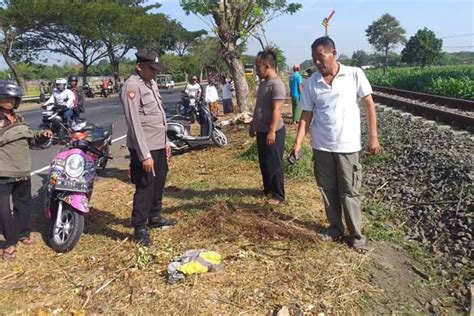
(78, 94)
(63, 97)
(15, 162)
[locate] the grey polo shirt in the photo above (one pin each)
(268, 92)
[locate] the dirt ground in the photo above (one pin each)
(272, 256)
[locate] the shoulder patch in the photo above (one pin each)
(131, 94)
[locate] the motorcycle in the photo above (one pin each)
(187, 107)
(179, 130)
(88, 91)
(52, 118)
(70, 183)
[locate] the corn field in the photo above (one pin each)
(449, 81)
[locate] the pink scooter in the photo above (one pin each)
(70, 183)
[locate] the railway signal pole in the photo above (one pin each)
(325, 22)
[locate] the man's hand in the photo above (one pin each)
(47, 133)
(251, 132)
(296, 149)
(373, 147)
(271, 138)
(168, 151)
(148, 165)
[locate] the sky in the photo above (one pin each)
(295, 33)
(451, 20)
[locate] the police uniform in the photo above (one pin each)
(146, 138)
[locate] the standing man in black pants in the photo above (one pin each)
(268, 126)
(147, 143)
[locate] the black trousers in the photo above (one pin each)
(270, 159)
(16, 224)
(147, 200)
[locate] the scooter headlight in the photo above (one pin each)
(74, 165)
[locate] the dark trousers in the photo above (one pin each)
(147, 200)
(270, 159)
(15, 225)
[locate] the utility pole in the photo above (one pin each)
(325, 22)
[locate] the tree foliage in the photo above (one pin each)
(384, 34)
(233, 21)
(422, 49)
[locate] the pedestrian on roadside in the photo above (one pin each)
(147, 144)
(15, 162)
(42, 90)
(268, 126)
(226, 89)
(211, 96)
(330, 108)
(296, 87)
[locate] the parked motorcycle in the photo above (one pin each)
(70, 183)
(179, 130)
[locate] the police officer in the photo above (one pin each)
(147, 143)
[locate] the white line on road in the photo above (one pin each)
(47, 167)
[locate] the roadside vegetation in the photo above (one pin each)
(449, 81)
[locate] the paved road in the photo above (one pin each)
(98, 111)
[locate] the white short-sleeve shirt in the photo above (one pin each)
(336, 114)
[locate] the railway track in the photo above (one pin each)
(456, 112)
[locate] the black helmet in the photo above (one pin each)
(72, 78)
(11, 89)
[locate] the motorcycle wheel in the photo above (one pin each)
(218, 137)
(192, 117)
(44, 145)
(102, 162)
(70, 229)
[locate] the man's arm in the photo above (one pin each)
(271, 135)
(131, 102)
(373, 145)
(305, 122)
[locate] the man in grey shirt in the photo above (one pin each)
(147, 143)
(268, 126)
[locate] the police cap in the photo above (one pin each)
(148, 57)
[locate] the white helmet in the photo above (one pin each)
(61, 84)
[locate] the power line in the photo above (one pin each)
(453, 36)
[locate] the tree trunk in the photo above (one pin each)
(236, 67)
(115, 69)
(16, 72)
(385, 64)
(85, 68)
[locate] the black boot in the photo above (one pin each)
(141, 236)
(158, 221)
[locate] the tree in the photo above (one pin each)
(185, 38)
(384, 34)
(422, 49)
(18, 17)
(233, 21)
(72, 33)
(344, 59)
(360, 58)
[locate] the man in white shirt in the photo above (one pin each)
(193, 89)
(211, 97)
(226, 88)
(330, 105)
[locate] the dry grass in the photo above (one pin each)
(271, 254)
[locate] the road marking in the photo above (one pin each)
(47, 167)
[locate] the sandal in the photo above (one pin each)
(360, 247)
(9, 253)
(27, 241)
